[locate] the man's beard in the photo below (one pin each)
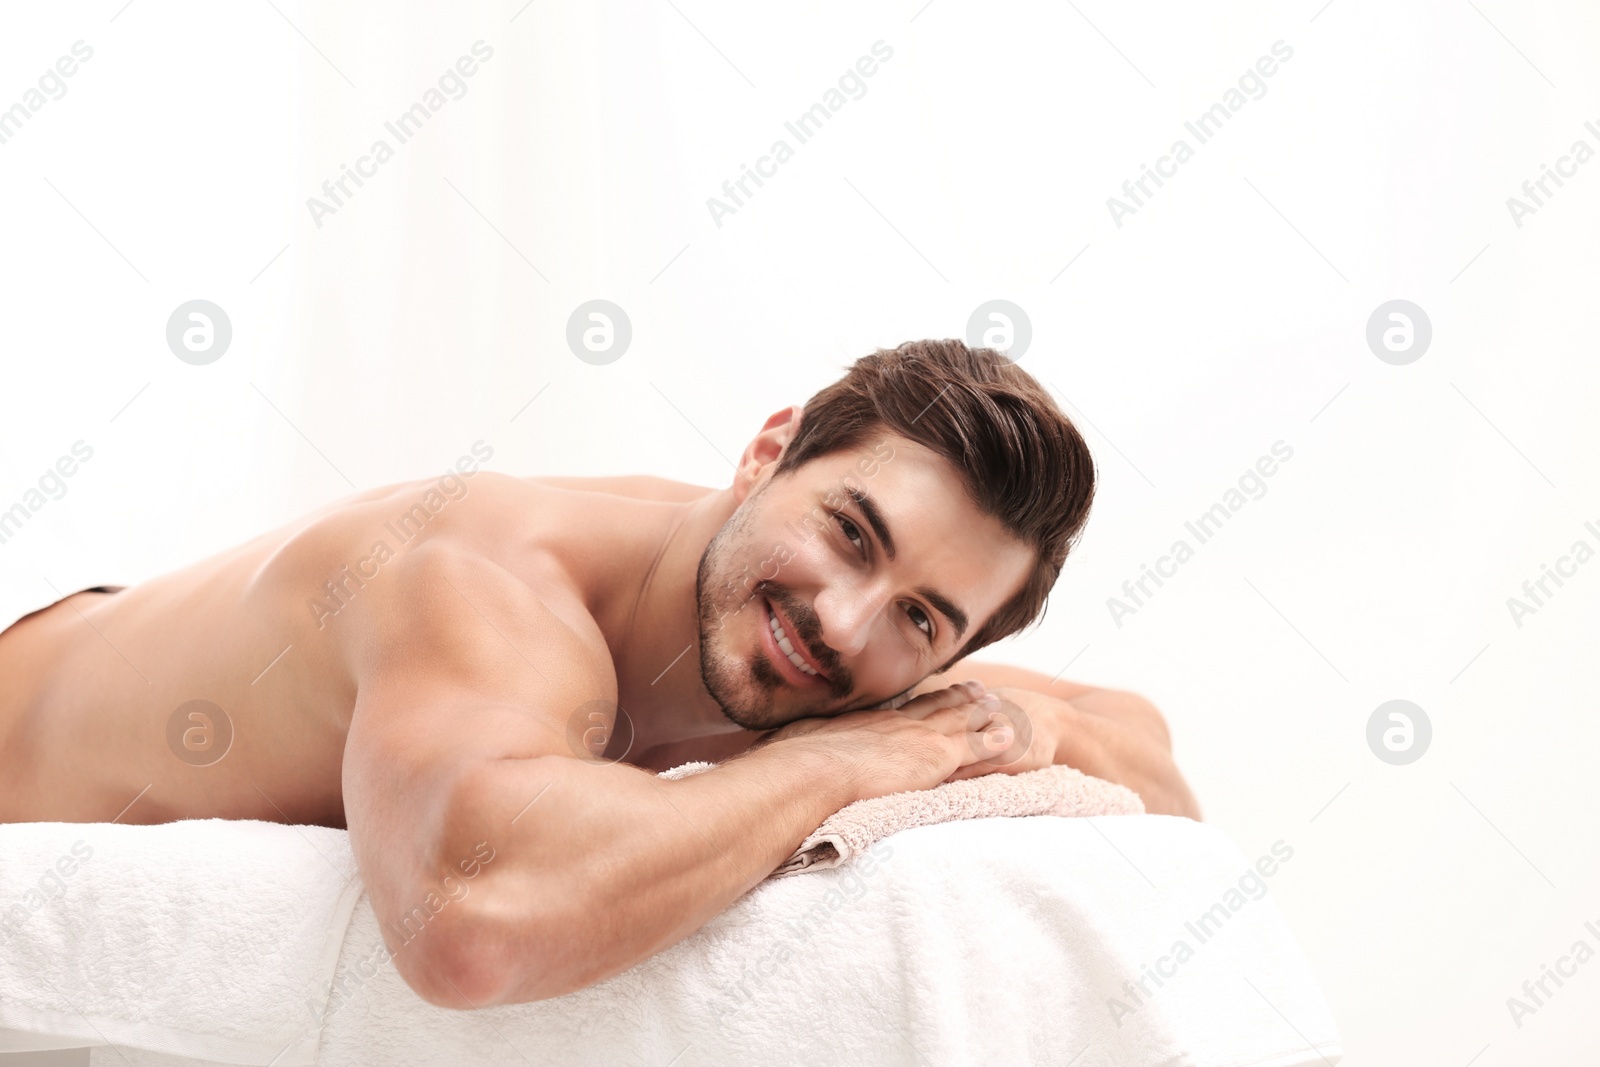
(747, 689)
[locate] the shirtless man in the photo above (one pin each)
(480, 673)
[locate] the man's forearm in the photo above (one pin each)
(609, 866)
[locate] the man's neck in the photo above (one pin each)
(640, 572)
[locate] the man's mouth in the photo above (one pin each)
(788, 648)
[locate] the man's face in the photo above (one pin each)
(812, 548)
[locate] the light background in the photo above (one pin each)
(1227, 314)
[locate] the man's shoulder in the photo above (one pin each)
(441, 576)
(452, 639)
(632, 486)
(449, 586)
(373, 542)
(423, 570)
(447, 616)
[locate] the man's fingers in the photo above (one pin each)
(998, 733)
(962, 716)
(1019, 737)
(980, 725)
(971, 770)
(942, 699)
(989, 742)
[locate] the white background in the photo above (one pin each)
(1227, 314)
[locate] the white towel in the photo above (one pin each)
(1009, 940)
(204, 940)
(210, 939)
(1014, 953)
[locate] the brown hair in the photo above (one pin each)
(1022, 459)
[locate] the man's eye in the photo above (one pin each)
(919, 618)
(851, 530)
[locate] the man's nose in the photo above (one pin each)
(847, 613)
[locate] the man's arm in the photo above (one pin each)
(503, 868)
(1108, 733)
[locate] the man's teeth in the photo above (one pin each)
(788, 648)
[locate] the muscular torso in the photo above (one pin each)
(89, 686)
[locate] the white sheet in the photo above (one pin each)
(1016, 952)
(203, 938)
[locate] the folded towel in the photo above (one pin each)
(206, 938)
(1057, 790)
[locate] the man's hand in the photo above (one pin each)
(1030, 727)
(916, 746)
(1008, 729)
(1107, 733)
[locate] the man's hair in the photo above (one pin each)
(1022, 459)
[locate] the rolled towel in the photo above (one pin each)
(1055, 790)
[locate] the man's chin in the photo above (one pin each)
(743, 702)
(750, 721)
(771, 716)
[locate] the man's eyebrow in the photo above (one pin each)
(941, 603)
(869, 508)
(945, 607)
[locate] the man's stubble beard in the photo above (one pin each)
(745, 689)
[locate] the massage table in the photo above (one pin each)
(1035, 939)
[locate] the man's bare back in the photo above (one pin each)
(430, 664)
(93, 680)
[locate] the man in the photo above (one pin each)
(456, 672)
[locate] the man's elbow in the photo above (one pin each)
(1180, 799)
(1147, 715)
(1167, 793)
(457, 961)
(473, 960)
(508, 932)
(505, 935)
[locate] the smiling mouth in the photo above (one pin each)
(789, 647)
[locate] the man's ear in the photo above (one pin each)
(762, 453)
